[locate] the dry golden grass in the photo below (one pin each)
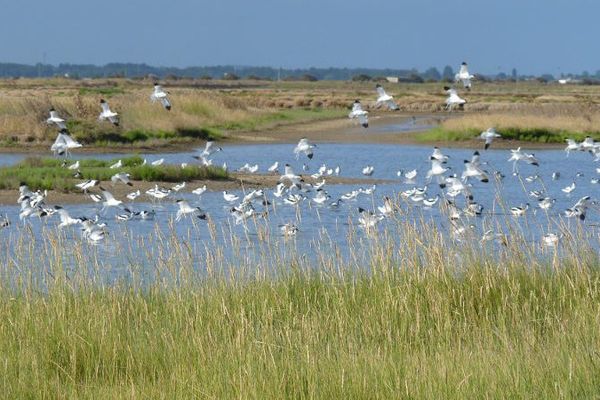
(252, 105)
(552, 117)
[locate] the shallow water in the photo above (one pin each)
(135, 245)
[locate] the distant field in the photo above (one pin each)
(217, 109)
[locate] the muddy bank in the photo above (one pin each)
(237, 182)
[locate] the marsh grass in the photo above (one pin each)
(413, 322)
(196, 114)
(538, 123)
(49, 174)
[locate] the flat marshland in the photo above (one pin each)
(211, 309)
(221, 110)
(426, 317)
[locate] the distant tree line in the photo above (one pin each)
(129, 70)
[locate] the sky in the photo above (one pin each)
(535, 37)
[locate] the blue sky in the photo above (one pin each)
(550, 36)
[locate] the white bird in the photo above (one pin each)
(321, 197)
(74, 166)
(160, 95)
(368, 170)
(579, 209)
(428, 203)
(290, 175)
(230, 197)
(304, 146)
(107, 114)
(158, 162)
(121, 177)
(199, 191)
(65, 218)
(209, 149)
(92, 231)
(572, 145)
(385, 98)
(387, 208)
(178, 187)
(546, 203)
(588, 144)
(367, 219)
(489, 135)
(410, 176)
(64, 143)
(158, 193)
(109, 199)
(278, 192)
(293, 199)
(55, 119)
(133, 195)
(253, 195)
(464, 76)
(437, 170)
(360, 114)
(116, 165)
(288, 229)
(519, 211)
(453, 100)
(569, 188)
(438, 155)
(473, 171)
(185, 209)
(248, 168)
(550, 239)
(274, 167)
(518, 155)
(85, 185)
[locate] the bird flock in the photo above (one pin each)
(293, 188)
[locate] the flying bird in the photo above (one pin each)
(453, 100)
(360, 114)
(489, 135)
(385, 98)
(107, 114)
(55, 119)
(64, 144)
(160, 95)
(304, 146)
(464, 76)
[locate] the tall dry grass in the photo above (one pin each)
(424, 317)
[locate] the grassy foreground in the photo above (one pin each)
(49, 174)
(429, 333)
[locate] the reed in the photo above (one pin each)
(409, 312)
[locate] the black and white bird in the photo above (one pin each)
(185, 209)
(489, 135)
(518, 155)
(121, 177)
(56, 120)
(64, 144)
(109, 200)
(464, 76)
(360, 114)
(160, 95)
(453, 100)
(368, 219)
(209, 149)
(86, 185)
(65, 218)
(107, 114)
(385, 99)
(305, 147)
